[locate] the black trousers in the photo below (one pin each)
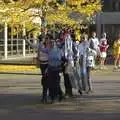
(89, 81)
(43, 68)
(67, 84)
(54, 83)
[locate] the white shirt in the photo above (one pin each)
(95, 42)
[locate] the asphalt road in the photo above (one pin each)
(20, 100)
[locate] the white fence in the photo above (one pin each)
(16, 48)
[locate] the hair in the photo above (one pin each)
(83, 36)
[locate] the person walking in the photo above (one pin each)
(68, 58)
(94, 44)
(90, 65)
(84, 45)
(42, 61)
(54, 68)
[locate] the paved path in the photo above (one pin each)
(20, 100)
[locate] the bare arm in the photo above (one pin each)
(31, 44)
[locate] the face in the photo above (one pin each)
(53, 44)
(77, 42)
(85, 38)
(93, 34)
(104, 35)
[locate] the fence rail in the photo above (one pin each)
(15, 47)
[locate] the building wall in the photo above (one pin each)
(109, 19)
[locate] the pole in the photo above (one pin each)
(6, 41)
(24, 33)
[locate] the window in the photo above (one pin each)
(106, 5)
(115, 5)
(111, 5)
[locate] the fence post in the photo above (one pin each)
(5, 41)
(24, 33)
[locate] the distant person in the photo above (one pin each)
(116, 52)
(94, 44)
(103, 50)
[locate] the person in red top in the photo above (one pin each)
(103, 50)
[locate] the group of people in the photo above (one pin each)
(73, 58)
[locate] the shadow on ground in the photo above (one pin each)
(28, 107)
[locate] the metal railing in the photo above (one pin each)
(15, 48)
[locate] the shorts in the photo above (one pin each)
(103, 55)
(90, 61)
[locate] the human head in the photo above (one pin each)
(104, 35)
(53, 43)
(84, 37)
(94, 34)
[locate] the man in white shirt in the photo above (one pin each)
(94, 44)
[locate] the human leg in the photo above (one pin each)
(43, 68)
(89, 81)
(67, 84)
(116, 61)
(119, 62)
(102, 60)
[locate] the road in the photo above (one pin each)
(20, 100)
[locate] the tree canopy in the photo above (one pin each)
(54, 11)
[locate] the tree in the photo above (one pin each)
(50, 11)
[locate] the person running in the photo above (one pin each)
(103, 50)
(116, 52)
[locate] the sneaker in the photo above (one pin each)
(118, 66)
(61, 97)
(101, 68)
(80, 92)
(115, 67)
(44, 100)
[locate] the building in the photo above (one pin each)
(109, 19)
